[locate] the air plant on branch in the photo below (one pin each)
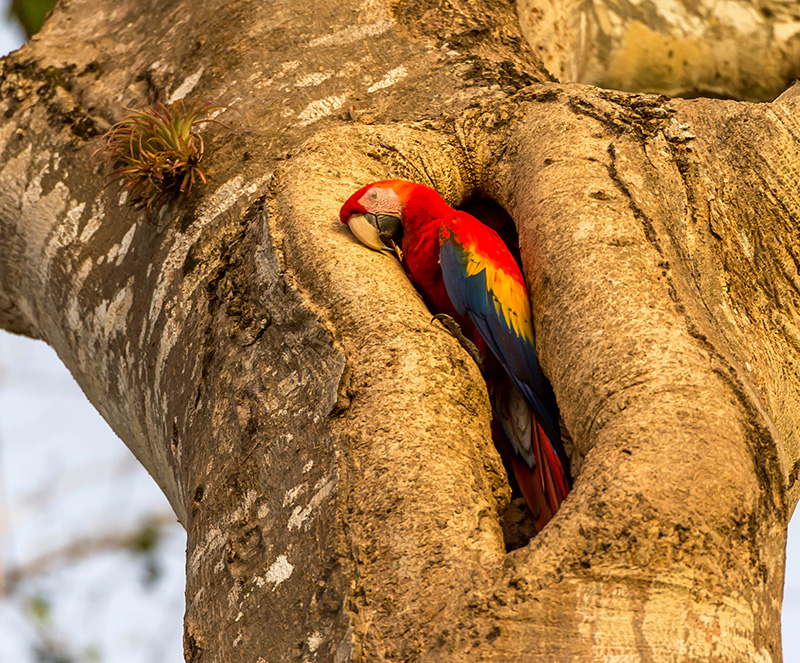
(156, 152)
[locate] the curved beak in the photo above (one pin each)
(380, 232)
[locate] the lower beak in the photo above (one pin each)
(377, 231)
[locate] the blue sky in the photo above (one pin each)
(11, 34)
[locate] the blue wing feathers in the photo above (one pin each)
(472, 296)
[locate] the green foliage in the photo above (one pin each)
(156, 152)
(92, 655)
(31, 13)
(146, 539)
(39, 610)
(144, 544)
(50, 652)
(48, 648)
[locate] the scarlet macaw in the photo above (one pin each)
(464, 270)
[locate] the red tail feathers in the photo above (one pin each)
(543, 486)
(537, 468)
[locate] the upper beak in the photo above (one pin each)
(377, 231)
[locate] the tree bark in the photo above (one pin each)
(744, 49)
(325, 444)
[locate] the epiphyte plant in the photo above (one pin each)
(155, 153)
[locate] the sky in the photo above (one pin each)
(66, 478)
(79, 481)
(11, 34)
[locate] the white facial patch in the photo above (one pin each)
(382, 201)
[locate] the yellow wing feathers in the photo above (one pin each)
(510, 295)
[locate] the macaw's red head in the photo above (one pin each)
(375, 213)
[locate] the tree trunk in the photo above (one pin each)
(326, 446)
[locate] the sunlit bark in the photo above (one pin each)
(325, 445)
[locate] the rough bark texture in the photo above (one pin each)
(326, 446)
(745, 49)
